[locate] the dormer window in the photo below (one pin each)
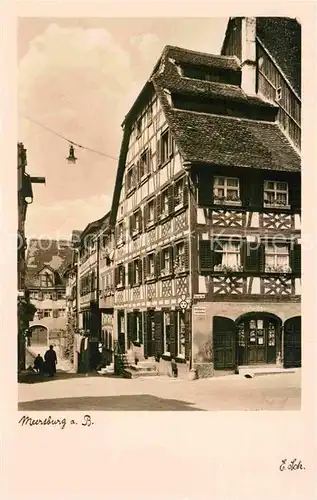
(276, 194)
(46, 280)
(226, 191)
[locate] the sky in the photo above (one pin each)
(79, 77)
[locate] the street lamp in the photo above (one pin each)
(71, 157)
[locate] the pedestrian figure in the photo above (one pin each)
(50, 361)
(39, 363)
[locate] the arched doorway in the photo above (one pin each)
(292, 342)
(39, 335)
(258, 338)
(224, 343)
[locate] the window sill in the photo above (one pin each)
(120, 243)
(232, 203)
(130, 191)
(278, 207)
(119, 287)
(179, 206)
(150, 279)
(150, 225)
(144, 178)
(135, 235)
(166, 275)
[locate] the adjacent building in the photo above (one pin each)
(46, 263)
(25, 197)
(207, 209)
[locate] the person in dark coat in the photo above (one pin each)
(50, 361)
(39, 364)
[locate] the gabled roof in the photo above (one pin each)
(95, 226)
(210, 138)
(55, 254)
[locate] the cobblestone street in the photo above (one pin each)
(67, 392)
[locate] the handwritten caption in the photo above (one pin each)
(294, 464)
(49, 421)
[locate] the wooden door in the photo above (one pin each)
(224, 343)
(151, 348)
(256, 339)
(292, 343)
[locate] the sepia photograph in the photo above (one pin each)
(159, 214)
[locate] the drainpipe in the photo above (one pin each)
(77, 310)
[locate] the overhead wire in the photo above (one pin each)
(69, 140)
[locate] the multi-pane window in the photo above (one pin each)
(179, 261)
(226, 189)
(47, 313)
(178, 193)
(144, 164)
(227, 255)
(130, 178)
(277, 257)
(137, 275)
(40, 313)
(151, 212)
(46, 280)
(165, 261)
(120, 233)
(121, 276)
(139, 127)
(276, 193)
(165, 146)
(60, 295)
(181, 332)
(167, 332)
(151, 265)
(164, 203)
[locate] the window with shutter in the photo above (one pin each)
(173, 334)
(170, 200)
(181, 333)
(140, 271)
(158, 153)
(146, 216)
(144, 267)
(250, 256)
(130, 273)
(205, 193)
(205, 256)
(170, 250)
(296, 259)
(159, 337)
(158, 264)
(157, 208)
(166, 332)
(295, 193)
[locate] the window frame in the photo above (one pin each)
(224, 252)
(179, 268)
(180, 315)
(225, 200)
(165, 270)
(275, 204)
(275, 268)
(167, 352)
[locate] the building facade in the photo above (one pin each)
(25, 197)
(207, 209)
(47, 261)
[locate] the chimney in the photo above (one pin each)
(248, 55)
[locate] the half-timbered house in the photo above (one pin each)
(206, 209)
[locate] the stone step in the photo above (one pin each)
(256, 371)
(128, 373)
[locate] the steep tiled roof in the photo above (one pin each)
(181, 55)
(56, 254)
(230, 141)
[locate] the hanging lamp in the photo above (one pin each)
(71, 157)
